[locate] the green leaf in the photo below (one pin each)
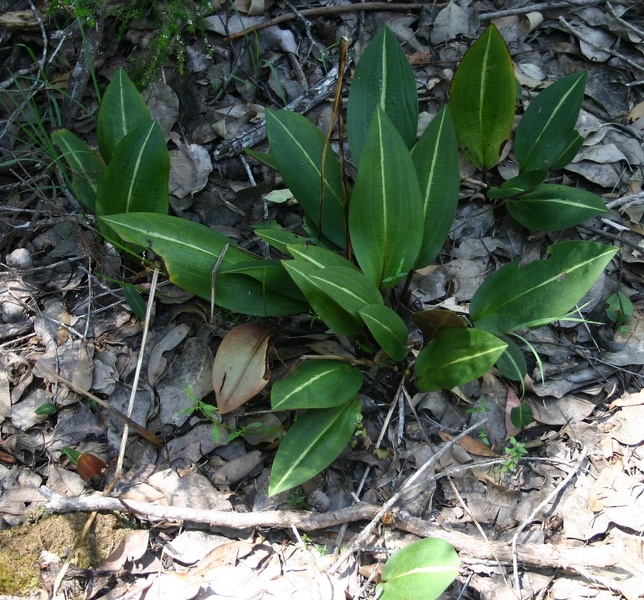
(383, 79)
(435, 157)
(270, 273)
(318, 256)
(317, 384)
(190, 252)
(325, 306)
(552, 207)
(521, 415)
(348, 287)
(87, 168)
(134, 300)
(547, 128)
(72, 454)
(512, 363)
(482, 100)
(575, 142)
(240, 369)
(423, 569)
(48, 408)
(520, 184)
(296, 150)
(388, 329)
(542, 291)
(312, 443)
(385, 213)
(136, 180)
(279, 238)
(619, 308)
(456, 356)
(122, 111)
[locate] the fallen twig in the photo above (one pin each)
(390, 6)
(588, 41)
(515, 538)
(580, 560)
(312, 97)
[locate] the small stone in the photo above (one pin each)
(20, 258)
(11, 311)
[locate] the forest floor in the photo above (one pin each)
(551, 511)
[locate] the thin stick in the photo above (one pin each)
(408, 484)
(137, 372)
(390, 6)
(142, 431)
(588, 41)
(515, 538)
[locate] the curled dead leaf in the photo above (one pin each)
(469, 444)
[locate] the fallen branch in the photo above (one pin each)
(580, 560)
(277, 519)
(390, 6)
(309, 99)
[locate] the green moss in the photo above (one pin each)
(172, 20)
(20, 547)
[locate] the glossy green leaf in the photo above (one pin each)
(240, 369)
(575, 142)
(135, 301)
(423, 569)
(521, 416)
(122, 111)
(312, 443)
(386, 208)
(279, 238)
(190, 252)
(262, 157)
(86, 167)
(136, 180)
(522, 183)
(270, 273)
(388, 329)
(518, 295)
(348, 287)
(435, 157)
(48, 408)
(336, 294)
(383, 79)
(325, 306)
(482, 100)
(547, 128)
(72, 454)
(317, 384)
(619, 308)
(512, 363)
(551, 207)
(318, 256)
(296, 150)
(456, 356)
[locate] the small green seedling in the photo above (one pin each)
(619, 308)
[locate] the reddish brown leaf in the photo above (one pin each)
(240, 370)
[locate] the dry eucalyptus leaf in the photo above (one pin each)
(157, 362)
(190, 167)
(561, 412)
(132, 546)
(453, 21)
(188, 380)
(163, 105)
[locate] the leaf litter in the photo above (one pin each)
(77, 323)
